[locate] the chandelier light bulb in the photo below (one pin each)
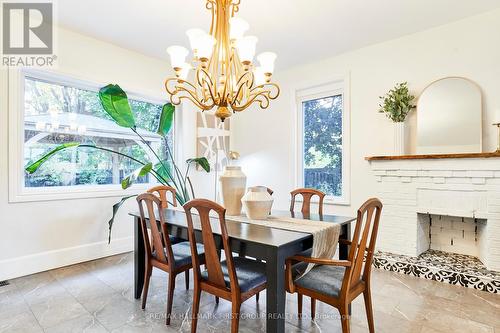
(246, 48)
(205, 46)
(266, 60)
(237, 28)
(178, 56)
(184, 71)
(259, 76)
(194, 35)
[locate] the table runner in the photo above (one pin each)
(325, 235)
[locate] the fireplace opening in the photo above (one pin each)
(452, 234)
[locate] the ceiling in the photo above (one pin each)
(299, 31)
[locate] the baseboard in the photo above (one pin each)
(39, 262)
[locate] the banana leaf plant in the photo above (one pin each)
(115, 102)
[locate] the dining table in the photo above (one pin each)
(266, 243)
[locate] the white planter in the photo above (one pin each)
(233, 183)
(257, 202)
(399, 138)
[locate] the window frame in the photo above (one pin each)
(311, 91)
(17, 190)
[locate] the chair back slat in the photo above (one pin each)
(307, 194)
(162, 191)
(363, 240)
(161, 247)
(212, 259)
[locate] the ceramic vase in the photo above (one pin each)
(399, 138)
(233, 183)
(257, 203)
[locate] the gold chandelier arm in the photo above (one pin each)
(255, 97)
(241, 83)
(206, 80)
(269, 91)
(176, 95)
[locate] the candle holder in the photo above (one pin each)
(498, 137)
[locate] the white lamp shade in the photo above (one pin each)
(178, 55)
(266, 60)
(246, 47)
(185, 71)
(259, 76)
(205, 45)
(237, 27)
(194, 35)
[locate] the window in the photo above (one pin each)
(323, 128)
(56, 110)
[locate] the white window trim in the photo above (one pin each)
(17, 191)
(313, 90)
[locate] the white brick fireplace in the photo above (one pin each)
(448, 204)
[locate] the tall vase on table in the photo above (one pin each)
(233, 183)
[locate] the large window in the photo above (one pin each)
(323, 141)
(56, 112)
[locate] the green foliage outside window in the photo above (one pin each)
(323, 144)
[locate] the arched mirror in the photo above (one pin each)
(449, 117)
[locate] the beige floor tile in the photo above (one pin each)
(97, 296)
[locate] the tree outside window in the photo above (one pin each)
(56, 113)
(323, 144)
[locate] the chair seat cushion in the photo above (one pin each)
(324, 279)
(175, 240)
(250, 273)
(182, 253)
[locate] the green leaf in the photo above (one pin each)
(116, 207)
(201, 161)
(115, 102)
(164, 169)
(31, 168)
(166, 119)
(140, 172)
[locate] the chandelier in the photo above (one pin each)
(225, 74)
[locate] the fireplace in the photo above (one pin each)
(459, 197)
(441, 217)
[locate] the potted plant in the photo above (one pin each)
(115, 102)
(396, 105)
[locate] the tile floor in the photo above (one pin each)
(97, 296)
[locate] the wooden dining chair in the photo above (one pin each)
(160, 252)
(161, 191)
(234, 279)
(307, 194)
(339, 282)
(300, 267)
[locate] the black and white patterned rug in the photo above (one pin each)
(457, 269)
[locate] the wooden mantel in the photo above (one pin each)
(432, 156)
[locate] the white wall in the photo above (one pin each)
(468, 48)
(36, 236)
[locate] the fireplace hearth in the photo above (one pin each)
(457, 269)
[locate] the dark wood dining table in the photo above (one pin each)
(270, 244)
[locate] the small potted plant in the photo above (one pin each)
(396, 105)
